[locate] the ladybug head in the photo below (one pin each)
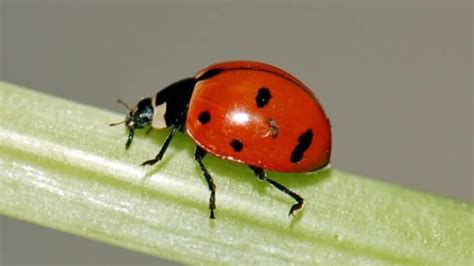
(140, 116)
(167, 109)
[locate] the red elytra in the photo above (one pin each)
(268, 134)
(243, 111)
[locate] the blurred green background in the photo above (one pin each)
(394, 78)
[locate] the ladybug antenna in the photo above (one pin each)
(124, 104)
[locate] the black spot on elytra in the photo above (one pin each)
(304, 141)
(204, 117)
(210, 73)
(263, 96)
(236, 145)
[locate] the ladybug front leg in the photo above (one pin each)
(198, 156)
(260, 173)
(159, 156)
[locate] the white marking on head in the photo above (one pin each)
(158, 121)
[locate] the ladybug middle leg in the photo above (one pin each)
(262, 176)
(159, 156)
(198, 156)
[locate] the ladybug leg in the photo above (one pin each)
(198, 156)
(262, 176)
(131, 133)
(159, 156)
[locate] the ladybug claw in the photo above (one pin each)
(296, 207)
(291, 213)
(149, 162)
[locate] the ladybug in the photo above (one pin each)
(243, 111)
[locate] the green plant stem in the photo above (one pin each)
(63, 167)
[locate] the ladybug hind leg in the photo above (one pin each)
(262, 176)
(199, 156)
